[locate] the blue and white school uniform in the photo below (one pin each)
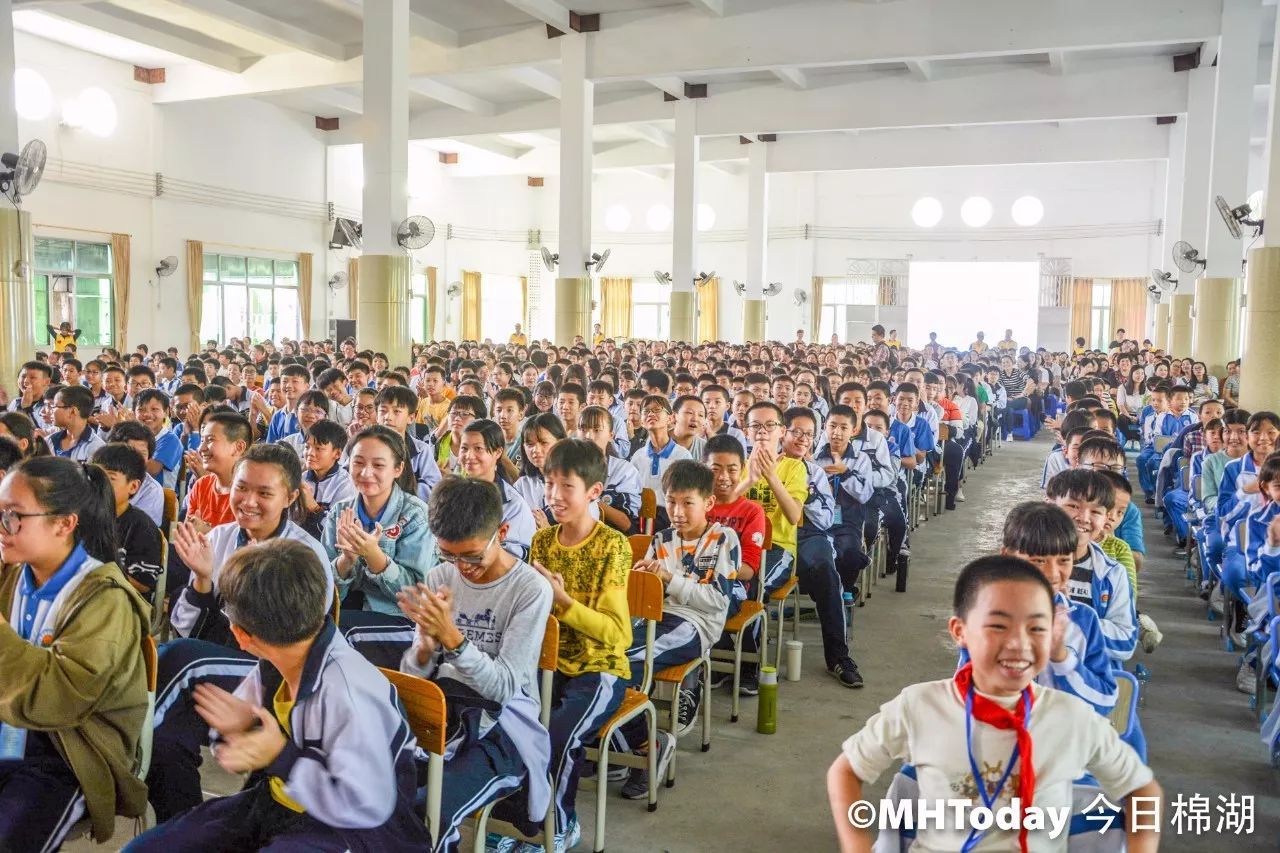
(150, 499)
(518, 517)
(1102, 583)
(621, 488)
(651, 464)
(169, 454)
(283, 423)
(82, 450)
(169, 386)
(334, 487)
(423, 462)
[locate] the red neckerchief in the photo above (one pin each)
(993, 714)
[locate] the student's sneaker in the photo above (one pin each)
(720, 679)
(904, 564)
(1149, 501)
(690, 699)
(1246, 681)
(617, 772)
(495, 843)
(846, 672)
(637, 787)
(749, 684)
(1148, 634)
(960, 495)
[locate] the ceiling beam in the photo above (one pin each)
(548, 12)
(287, 34)
(921, 69)
(97, 17)
(536, 79)
(452, 96)
(669, 84)
(793, 77)
(339, 98)
(421, 25)
(649, 133)
(480, 143)
(709, 7)
(1058, 61)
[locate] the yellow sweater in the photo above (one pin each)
(795, 479)
(595, 630)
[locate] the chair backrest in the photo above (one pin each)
(944, 432)
(424, 704)
(768, 536)
(158, 616)
(149, 661)
(1125, 712)
(170, 512)
(1242, 535)
(639, 545)
(549, 657)
(336, 609)
(644, 599)
(1161, 442)
(648, 510)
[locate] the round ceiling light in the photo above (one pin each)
(706, 217)
(1027, 211)
(617, 218)
(658, 217)
(926, 212)
(976, 211)
(33, 99)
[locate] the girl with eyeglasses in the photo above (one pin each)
(75, 688)
(482, 456)
(378, 543)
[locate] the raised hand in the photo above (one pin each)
(194, 549)
(223, 711)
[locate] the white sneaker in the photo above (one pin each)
(960, 495)
(1148, 634)
(1216, 603)
(1246, 681)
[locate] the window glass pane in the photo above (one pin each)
(863, 293)
(500, 306)
(649, 291)
(93, 311)
(287, 318)
(40, 304)
(644, 321)
(231, 268)
(210, 267)
(286, 273)
(235, 319)
(260, 313)
(826, 320)
(211, 313)
(418, 282)
(55, 255)
(259, 270)
(418, 318)
(93, 257)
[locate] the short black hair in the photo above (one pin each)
(133, 431)
(686, 475)
(790, 415)
(1083, 485)
(77, 397)
(842, 412)
(468, 402)
(1040, 529)
(577, 457)
(296, 370)
(397, 395)
(151, 395)
(328, 432)
(985, 571)
(276, 592)
(575, 390)
(462, 509)
(1118, 482)
(1097, 445)
(122, 459)
(10, 453)
(234, 427)
(723, 444)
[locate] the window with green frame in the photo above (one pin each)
(418, 330)
(72, 283)
(247, 296)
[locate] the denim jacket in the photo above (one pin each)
(406, 541)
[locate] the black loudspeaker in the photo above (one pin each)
(340, 330)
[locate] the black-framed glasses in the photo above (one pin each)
(11, 519)
(468, 559)
(768, 426)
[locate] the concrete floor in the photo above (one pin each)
(766, 792)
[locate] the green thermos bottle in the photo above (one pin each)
(767, 713)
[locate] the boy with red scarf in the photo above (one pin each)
(982, 718)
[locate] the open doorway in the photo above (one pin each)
(958, 299)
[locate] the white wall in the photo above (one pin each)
(232, 146)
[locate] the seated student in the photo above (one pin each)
(1003, 617)
(1234, 446)
(744, 517)
(1241, 563)
(689, 415)
(1062, 456)
(697, 561)
(313, 407)
(480, 617)
(266, 485)
(151, 409)
(887, 508)
(325, 480)
(1096, 579)
(395, 406)
(600, 395)
(508, 414)
(1046, 537)
(1238, 493)
(482, 456)
(137, 537)
(587, 564)
(658, 451)
(292, 384)
(150, 495)
(464, 409)
(75, 439)
(72, 705)
(363, 410)
(538, 435)
(1162, 423)
(378, 543)
(330, 758)
(715, 398)
(1098, 453)
(619, 504)
(224, 439)
(1185, 445)
(850, 473)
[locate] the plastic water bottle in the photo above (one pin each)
(847, 601)
(1143, 675)
(767, 711)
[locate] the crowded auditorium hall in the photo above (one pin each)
(905, 455)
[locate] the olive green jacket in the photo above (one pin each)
(87, 689)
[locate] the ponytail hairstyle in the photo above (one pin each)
(494, 442)
(548, 421)
(22, 428)
(598, 417)
(64, 487)
(407, 481)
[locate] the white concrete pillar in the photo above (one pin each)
(8, 114)
(753, 307)
(1175, 174)
(1198, 147)
(1271, 157)
(16, 339)
(382, 321)
(684, 222)
(571, 305)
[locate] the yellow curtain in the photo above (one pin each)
(430, 326)
(195, 290)
(470, 306)
(1081, 309)
(1129, 306)
(304, 294)
(615, 307)
(815, 309)
(888, 291)
(120, 286)
(524, 304)
(709, 310)
(353, 291)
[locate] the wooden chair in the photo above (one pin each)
(159, 612)
(644, 598)
(548, 659)
(737, 625)
(778, 599)
(424, 707)
(639, 545)
(648, 511)
(1124, 714)
(335, 609)
(170, 513)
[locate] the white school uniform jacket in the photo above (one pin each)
(702, 574)
(651, 464)
(82, 450)
(519, 518)
(150, 499)
(1102, 583)
(335, 486)
(884, 474)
